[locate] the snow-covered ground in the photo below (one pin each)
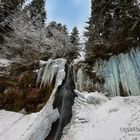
(36, 126)
(96, 117)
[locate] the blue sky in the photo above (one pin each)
(69, 12)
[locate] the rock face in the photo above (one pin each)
(114, 27)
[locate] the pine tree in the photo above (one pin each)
(65, 29)
(37, 11)
(74, 37)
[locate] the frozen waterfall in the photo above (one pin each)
(54, 71)
(121, 75)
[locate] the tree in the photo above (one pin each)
(59, 42)
(112, 22)
(37, 11)
(74, 37)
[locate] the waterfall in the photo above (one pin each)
(64, 99)
(58, 75)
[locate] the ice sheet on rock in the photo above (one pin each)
(122, 71)
(105, 121)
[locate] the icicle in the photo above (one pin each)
(121, 74)
(54, 69)
(39, 76)
(123, 70)
(83, 81)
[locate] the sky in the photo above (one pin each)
(69, 12)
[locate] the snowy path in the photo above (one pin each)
(95, 119)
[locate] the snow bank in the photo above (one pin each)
(114, 119)
(92, 98)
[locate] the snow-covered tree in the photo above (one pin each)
(60, 42)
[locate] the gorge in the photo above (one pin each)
(48, 91)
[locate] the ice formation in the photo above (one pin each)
(54, 70)
(121, 73)
(35, 126)
(81, 79)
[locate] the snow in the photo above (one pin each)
(4, 62)
(27, 2)
(92, 98)
(35, 126)
(116, 118)
(4, 66)
(42, 62)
